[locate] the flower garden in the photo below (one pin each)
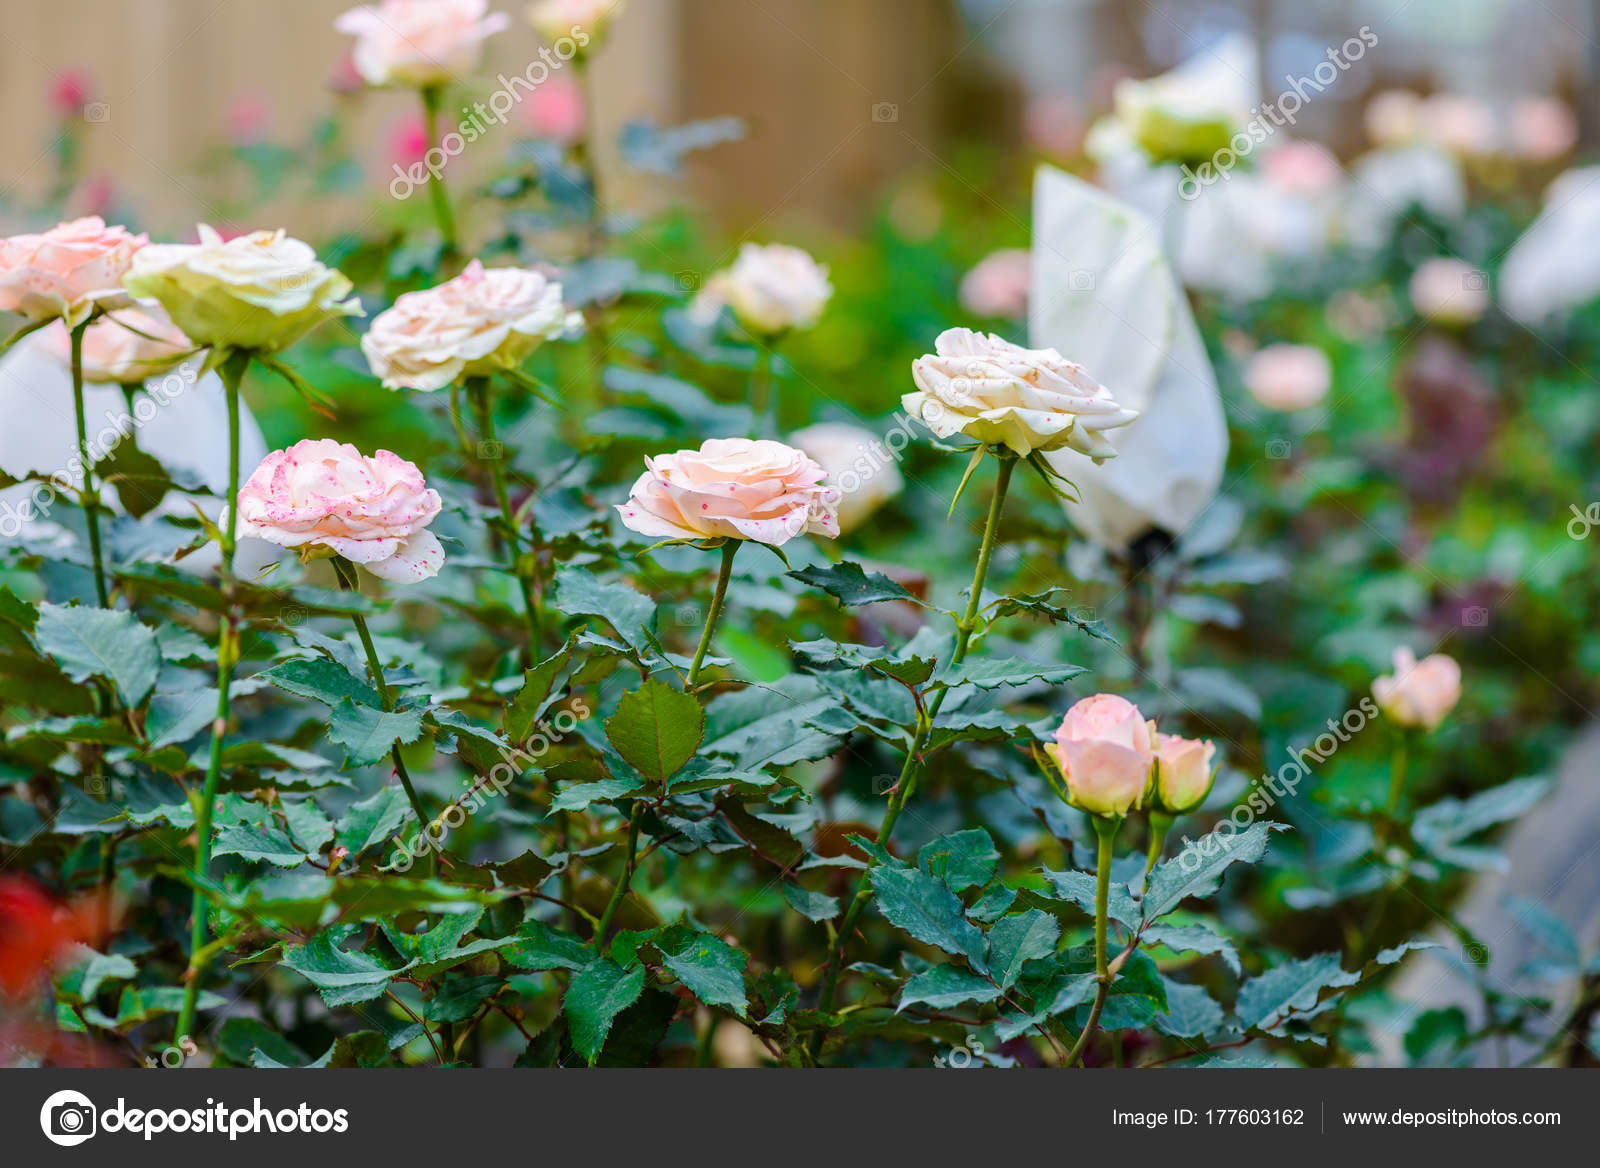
(1105, 635)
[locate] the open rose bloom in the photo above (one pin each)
(326, 498)
(260, 291)
(1001, 394)
(419, 42)
(125, 347)
(485, 320)
(732, 488)
(1418, 693)
(67, 271)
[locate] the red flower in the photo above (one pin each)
(34, 931)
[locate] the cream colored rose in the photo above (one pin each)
(485, 320)
(326, 497)
(127, 346)
(1184, 771)
(732, 488)
(1394, 117)
(554, 19)
(67, 271)
(1288, 377)
(1105, 754)
(1450, 292)
(1418, 693)
(260, 291)
(857, 463)
(419, 42)
(770, 289)
(1001, 394)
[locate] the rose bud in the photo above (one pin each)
(1105, 754)
(1184, 772)
(1418, 693)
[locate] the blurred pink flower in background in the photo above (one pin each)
(1460, 124)
(1446, 290)
(1289, 377)
(555, 109)
(70, 90)
(344, 77)
(408, 140)
(1054, 124)
(95, 195)
(998, 285)
(1302, 168)
(1542, 129)
(249, 118)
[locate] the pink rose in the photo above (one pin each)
(66, 271)
(998, 285)
(732, 488)
(1418, 693)
(125, 347)
(419, 42)
(556, 109)
(1302, 168)
(1542, 129)
(1288, 377)
(485, 320)
(327, 498)
(1183, 771)
(1104, 750)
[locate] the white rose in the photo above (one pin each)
(1004, 395)
(772, 289)
(1289, 377)
(484, 320)
(857, 463)
(1449, 291)
(261, 291)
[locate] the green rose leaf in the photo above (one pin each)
(596, 995)
(657, 729)
(100, 642)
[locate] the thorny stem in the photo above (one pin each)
(87, 496)
(478, 392)
(1106, 829)
(729, 550)
(232, 372)
(621, 889)
(906, 784)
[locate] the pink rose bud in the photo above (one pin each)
(69, 92)
(1183, 771)
(1104, 750)
(998, 285)
(66, 271)
(1418, 693)
(323, 498)
(732, 488)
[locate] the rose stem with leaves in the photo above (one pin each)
(88, 495)
(346, 572)
(1385, 832)
(232, 372)
(730, 548)
(493, 455)
(587, 157)
(1105, 828)
(432, 99)
(906, 784)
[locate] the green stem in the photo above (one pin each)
(88, 495)
(232, 373)
(729, 550)
(1160, 824)
(478, 393)
(432, 99)
(1106, 829)
(346, 573)
(907, 782)
(763, 393)
(455, 420)
(621, 890)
